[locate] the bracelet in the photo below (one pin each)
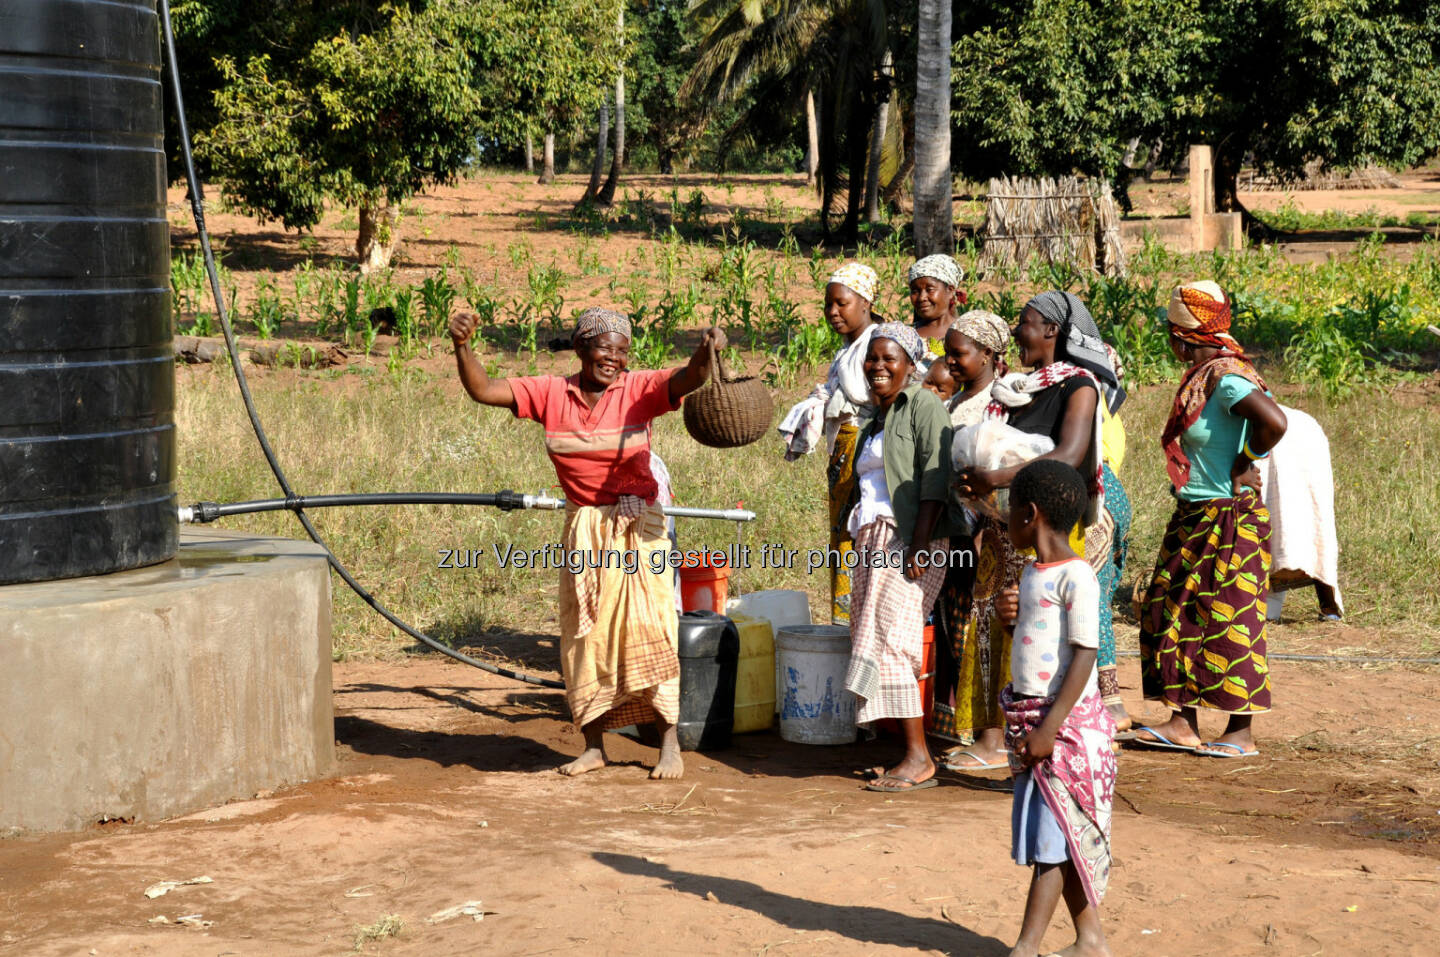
(1252, 456)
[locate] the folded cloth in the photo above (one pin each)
(1299, 486)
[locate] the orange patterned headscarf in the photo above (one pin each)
(1199, 313)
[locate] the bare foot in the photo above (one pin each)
(670, 767)
(591, 759)
(1177, 731)
(1123, 721)
(1241, 744)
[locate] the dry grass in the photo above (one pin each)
(369, 430)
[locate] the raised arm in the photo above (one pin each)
(477, 383)
(693, 374)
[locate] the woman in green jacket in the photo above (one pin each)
(901, 521)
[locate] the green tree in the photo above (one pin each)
(1057, 86)
(1346, 83)
(366, 116)
(544, 65)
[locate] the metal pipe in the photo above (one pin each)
(203, 512)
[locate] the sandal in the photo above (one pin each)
(907, 784)
(950, 763)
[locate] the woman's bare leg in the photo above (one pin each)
(670, 766)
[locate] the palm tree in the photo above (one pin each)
(833, 49)
(934, 213)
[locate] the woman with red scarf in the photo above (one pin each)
(1202, 619)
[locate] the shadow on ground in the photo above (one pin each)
(864, 924)
(483, 752)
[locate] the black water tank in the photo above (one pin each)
(709, 648)
(87, 378)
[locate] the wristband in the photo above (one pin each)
(1251, 455)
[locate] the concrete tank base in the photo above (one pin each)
(164, 690)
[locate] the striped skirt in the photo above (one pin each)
(887, 626)
(1202, 620)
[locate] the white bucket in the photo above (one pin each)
(780, 607)
(815, 708)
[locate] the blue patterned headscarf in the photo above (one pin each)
(907, 337)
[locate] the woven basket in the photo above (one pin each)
(726, 413)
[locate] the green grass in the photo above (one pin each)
(1291, 219)
(413, 431)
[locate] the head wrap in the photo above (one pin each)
(939, 267)
(908, 339)
(1199, 313)
(986, 328)
(1079, 342)
(594, 322)
(857, 277)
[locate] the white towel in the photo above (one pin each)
(844, 395)
(1299, 491)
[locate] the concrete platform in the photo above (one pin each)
(160, 691)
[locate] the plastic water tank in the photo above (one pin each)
(87, 377)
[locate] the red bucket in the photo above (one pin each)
(705, 584)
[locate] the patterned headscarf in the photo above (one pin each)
(1080, 341)
(1199, 313)
(858, 277)
(908, 339)
(986, 328)
(594, 322)
(938, 266)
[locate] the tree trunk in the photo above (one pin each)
(607, 193)
(812, 139)
(934, 211)
(529, 152)
(598, 169)
(547, 172)
(877, 149)
(379, 234)
(1227, 193)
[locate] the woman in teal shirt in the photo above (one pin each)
(1202, 620)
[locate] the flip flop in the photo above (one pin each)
(872, 774)
(1329, 616)
(1161, 743)
(910, 784)
(979, 765)
(1239, 751)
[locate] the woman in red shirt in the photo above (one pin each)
(618, 631)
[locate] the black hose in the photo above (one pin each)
(197, 207)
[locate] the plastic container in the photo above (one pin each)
(926, 681)
(815, 708)
(780, 607)
(755, 675)
(709, 650)
(704, 586)
(87, 371)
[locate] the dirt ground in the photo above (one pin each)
(1329, 843)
